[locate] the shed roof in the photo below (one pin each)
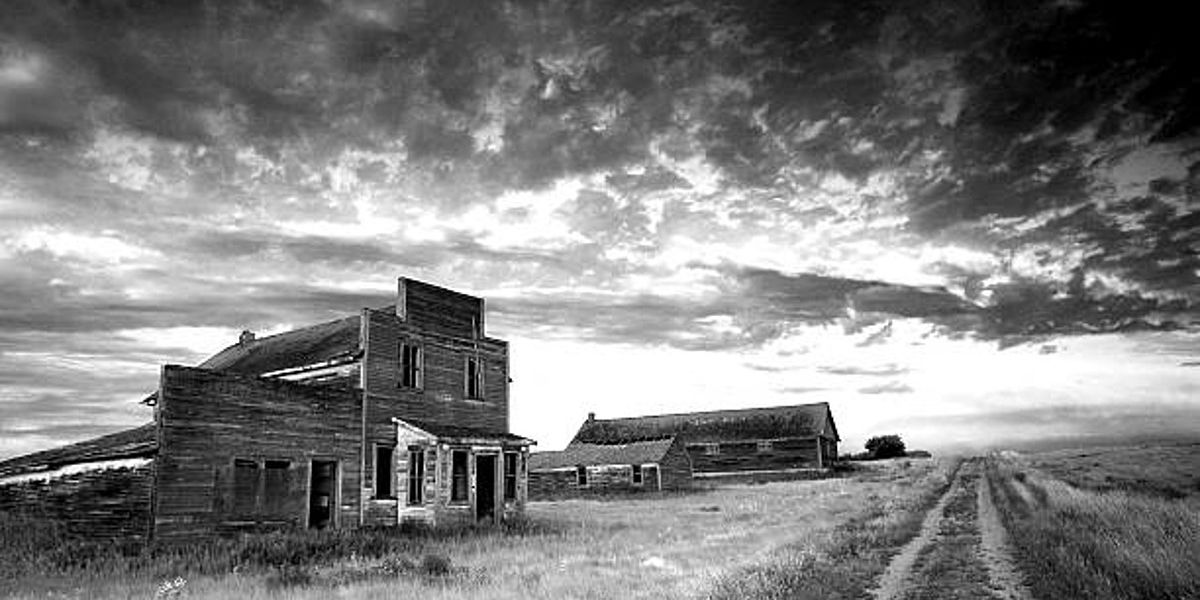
(721, 425)
(460, 433)
(295, 348)
(137, 442)
(633, 453)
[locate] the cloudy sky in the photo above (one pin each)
(963, 222)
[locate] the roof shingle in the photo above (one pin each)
(633, 453)
(721, 425)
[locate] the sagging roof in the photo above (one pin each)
(455, 433)
(634, 453)
(774, 422)
(305, 346)
(131, 443)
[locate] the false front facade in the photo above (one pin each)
(391, 415)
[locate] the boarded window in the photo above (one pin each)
(275, 487)
(416, 476)
(510, 475)
(581, 476)
(635, 474)
(383, 472)
(458, 476)
(245, 486)
(474, 378)
(765, 445)
(411, 368)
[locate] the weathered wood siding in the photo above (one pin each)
(436, 506)
(441, 397)
(208, 419)
(676, 467)
(97, 505)
(745, 455)
(549, 484)
(439, 310)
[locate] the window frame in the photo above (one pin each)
(581, 476)
(416, 476)
(412, 365)
(712, 448)
(510, 479)
(636, 476)
(761, 446)
(455, 496)
(473, 379)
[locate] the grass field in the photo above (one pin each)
(681, 546)
(1120, 523)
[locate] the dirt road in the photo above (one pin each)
(961, 551)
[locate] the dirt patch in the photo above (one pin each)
(995, 552)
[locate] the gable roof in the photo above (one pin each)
(137, 442)
(721, 425)
(295, 348)
(633, 453)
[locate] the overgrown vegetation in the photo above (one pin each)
(846, 562)
(1078, 543)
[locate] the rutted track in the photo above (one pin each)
(961, 550)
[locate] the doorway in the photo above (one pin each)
(485, 487)
(321, 497)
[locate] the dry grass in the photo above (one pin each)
(1079, 543)
(678, 546)
(846, 561)
(1168, 470)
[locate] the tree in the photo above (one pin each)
(885, 446)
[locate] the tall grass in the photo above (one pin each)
(846, 562)
(1076, 543)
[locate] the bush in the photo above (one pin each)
(885, 446)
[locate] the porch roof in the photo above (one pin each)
(457, 433)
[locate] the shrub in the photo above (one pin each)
(885, 446)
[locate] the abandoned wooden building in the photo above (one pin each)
(391, 415)
(773, 441)
(637, 466)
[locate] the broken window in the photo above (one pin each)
(581, 476)
(245, 486)
(635, 474)
(275, 486)
(458, 476)
(416, 476)
(474, 378)
(411, 367)
(510, 475)
(383, 472)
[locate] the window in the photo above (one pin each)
(712, 449)
(245, 486)
(764, 445)
(383, 472)
(474, 378)
(275, 486)
(581, 476)
(416, 476)
(510, 475)
(635, 474)
(411, 367)
(458, 476)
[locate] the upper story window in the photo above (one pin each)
(412, 367)
(473, 378)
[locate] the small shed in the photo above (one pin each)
(629, 467)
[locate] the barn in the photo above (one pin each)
(771, 441)
(393, 414)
